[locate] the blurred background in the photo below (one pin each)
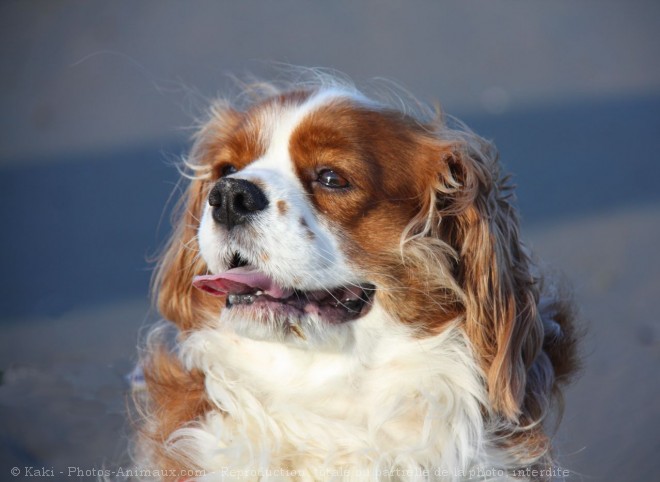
(96, 104)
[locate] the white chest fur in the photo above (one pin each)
(390, 405)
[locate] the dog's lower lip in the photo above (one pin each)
(335, 306)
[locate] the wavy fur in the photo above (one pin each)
(455, 367)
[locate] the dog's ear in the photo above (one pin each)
(177, 299)
(477, 218)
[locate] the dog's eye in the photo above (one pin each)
(227, 169)
(330, 178)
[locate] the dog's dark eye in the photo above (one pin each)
(227, 170)
(330, 178)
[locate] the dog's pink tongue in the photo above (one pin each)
(239, 281)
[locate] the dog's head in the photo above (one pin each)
(313, 210)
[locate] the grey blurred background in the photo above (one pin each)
(96, 104)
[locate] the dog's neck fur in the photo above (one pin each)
(391, 400)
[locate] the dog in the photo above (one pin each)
(352, 301)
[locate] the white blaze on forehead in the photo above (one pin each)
(279, 123)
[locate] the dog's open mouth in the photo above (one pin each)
(246, 287)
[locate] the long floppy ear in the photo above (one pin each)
(501, 294)
(177, 299)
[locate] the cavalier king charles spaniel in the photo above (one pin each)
(352, 301)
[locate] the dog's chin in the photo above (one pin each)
(318, 319)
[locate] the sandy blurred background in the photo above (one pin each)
(95, 103)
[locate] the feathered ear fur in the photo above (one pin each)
(501, 291)
(177, 300)
(176, 395)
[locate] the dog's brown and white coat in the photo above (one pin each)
(353, 303)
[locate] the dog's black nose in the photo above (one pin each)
(235, 200)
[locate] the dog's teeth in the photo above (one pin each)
(259, 293)
(241, 299)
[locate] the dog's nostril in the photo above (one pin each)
(240, 204)
(215, 198)
(235, 200)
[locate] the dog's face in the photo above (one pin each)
(315, 212)
(306, 201)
